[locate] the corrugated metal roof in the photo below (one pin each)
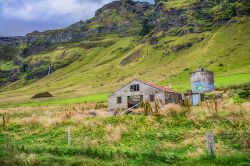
(157, 86)
(149, 84)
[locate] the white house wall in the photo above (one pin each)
(144, 90)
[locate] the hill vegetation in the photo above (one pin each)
(161, 43)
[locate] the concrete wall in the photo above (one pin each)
(202, 76)
(202, 81)
(145, 91)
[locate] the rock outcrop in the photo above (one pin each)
(129, 16)
(182, 46)
(12, 41)
(35, 49)
(196, 16)
(112, 17)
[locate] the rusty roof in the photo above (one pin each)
(149, 84)
(157, 86)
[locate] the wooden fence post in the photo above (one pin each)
(210, 143)
(3, 121)
(68, 135)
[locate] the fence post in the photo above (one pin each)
(68, 135)
(210, 143)
(3, 122)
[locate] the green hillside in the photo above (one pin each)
(129, 40)
(99, 69)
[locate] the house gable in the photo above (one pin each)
(153, 86)
(125, 88)
(136, 91)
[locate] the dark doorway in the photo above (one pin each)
(134, 100)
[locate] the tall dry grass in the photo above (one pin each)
(224, 109)
(48, 116)
(114, 133)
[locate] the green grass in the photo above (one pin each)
(7, 65)
(39, 102)
(38, 136)
(178, 4)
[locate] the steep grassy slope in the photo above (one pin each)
(38, 136)
(105, 67)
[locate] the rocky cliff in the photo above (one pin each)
(129, 17)
(117, 16)
(195, 16)
(12, 41)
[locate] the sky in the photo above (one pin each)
(19, 17)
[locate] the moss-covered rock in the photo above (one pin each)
(42, 95)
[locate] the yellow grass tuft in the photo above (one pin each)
(170, 109)
(221, 148)
(27, 159)
(228, 110)
(198, 152)
(114, 133)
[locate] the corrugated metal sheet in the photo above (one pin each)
(196, 99)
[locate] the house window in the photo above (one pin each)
(152, 97)
(134, 88)
(119, 100)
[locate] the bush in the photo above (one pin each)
(147, 108)
(186, 105)
(241, 95)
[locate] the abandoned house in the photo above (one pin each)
(132, 94)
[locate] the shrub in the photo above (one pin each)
(171, 110)
(241, 95)
(6, 119)
(100, 106)
(186, 105)
(147, 108)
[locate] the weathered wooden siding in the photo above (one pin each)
(173, 98)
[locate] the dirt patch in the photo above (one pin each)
(132, 57)
(42, 95)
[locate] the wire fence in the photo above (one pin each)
(211, 139)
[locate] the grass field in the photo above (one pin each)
(46, 102)
(38, 136)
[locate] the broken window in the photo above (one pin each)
(152, 97)
(119, 100)
(134, 88)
